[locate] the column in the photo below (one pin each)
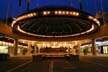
(29, 49)
(15, 47)
(35, 49)
(38, 49)
(93, 48)
(78, 49)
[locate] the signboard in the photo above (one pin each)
(3, 49)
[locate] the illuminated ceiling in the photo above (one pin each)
(55, 22)
(54, 44)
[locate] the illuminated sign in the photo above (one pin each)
(3, 49)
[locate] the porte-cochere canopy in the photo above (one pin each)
(55, 22)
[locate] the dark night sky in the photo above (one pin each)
(10, 8)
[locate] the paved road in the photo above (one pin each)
(86, 64)
(13, 62)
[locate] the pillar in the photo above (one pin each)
(93, 48)
(38, 49)
(15, 47)
(78, 49)
(29, 49)
(35, 49)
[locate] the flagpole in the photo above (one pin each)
(20, 3)
(28, 5)
(80, 4)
